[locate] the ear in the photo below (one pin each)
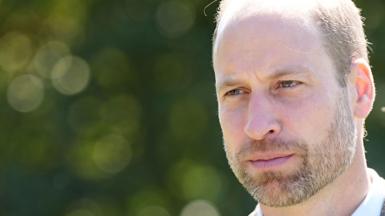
(364, 86)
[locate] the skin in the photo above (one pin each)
(276, 87)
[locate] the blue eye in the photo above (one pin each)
(288, 84)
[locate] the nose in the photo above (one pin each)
(262, 120)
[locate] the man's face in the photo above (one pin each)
(287, 124)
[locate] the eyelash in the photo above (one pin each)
(292, 84)
(233, 92)
(285, 84)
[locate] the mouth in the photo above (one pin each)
(270, 162)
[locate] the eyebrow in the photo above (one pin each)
(227, 82)
(290, 71)
(232, 80)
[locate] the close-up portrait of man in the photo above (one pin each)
(294, 87)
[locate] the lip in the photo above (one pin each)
(267, 161)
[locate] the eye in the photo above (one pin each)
(235, 92)
(288, 84)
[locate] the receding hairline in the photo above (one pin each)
(245, 11)
(339, 23)
(230, 11)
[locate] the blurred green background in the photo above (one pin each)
(108, 108)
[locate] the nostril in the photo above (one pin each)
(258, 130)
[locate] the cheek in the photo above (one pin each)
(232, 124)
(310, 119)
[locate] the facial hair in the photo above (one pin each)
(321, 163)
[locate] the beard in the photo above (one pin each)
(321, 162)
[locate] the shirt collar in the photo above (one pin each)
(372, 204)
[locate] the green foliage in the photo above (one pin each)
(108, 108)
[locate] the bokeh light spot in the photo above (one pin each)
(15, 51)
(174, 18)
(196, 181)
(81, 161)
(70, 75)
(66, 19)
(100, 157)
(112, 153)
(25, 93)
(201, 208)
(48, 55)
(201, 181)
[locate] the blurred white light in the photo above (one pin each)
(383, 109)
(25, 93)
(70, 75)
(174, 18)
(15, 51)
(48, 55)
(201, 208)
(153, 210)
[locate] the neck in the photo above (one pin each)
(337, 197)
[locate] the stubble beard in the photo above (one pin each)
(321, 163)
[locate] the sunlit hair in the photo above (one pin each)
(340, 23)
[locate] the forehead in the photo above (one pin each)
(267, 39)
(290, 32)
